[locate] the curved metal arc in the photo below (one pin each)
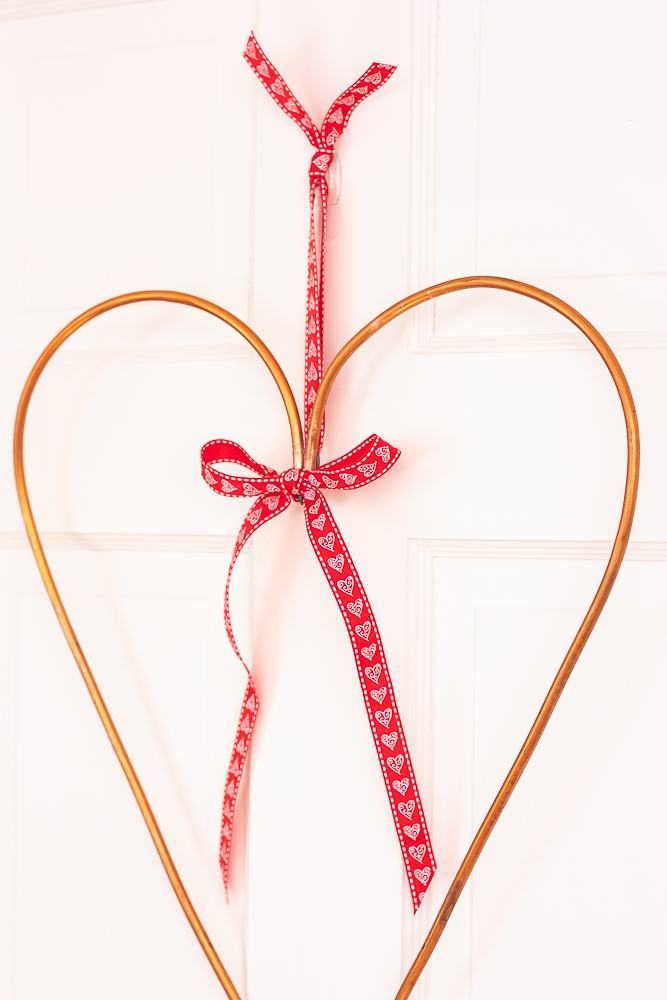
(603, 591)
(52, 590)
(582, 636)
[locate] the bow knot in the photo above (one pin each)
(320, 163)
(292, 483)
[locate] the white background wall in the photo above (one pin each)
(521, 139)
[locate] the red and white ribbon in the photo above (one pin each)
(273, 493)
(324, 140)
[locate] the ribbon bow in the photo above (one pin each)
(273, 493)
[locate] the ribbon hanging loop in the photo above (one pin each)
(324, 140)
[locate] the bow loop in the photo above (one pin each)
(364, 464)
(222, 451)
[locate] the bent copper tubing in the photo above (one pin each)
(56, 601)
(330, 375)
(599, 601)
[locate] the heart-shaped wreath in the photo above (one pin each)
(273, 492)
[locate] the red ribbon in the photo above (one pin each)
(274, 492)
(324, 140)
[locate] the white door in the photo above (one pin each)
(139, 151)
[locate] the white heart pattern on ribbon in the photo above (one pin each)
(407, 808)
(401, 786)
(389, 740)
(396, 764)
(416, 852)
(337, 563)
(384, 718)
(369, 651)
(412, 831)
(423, 875)
(380, 694)
(356, 607)
(363, 630)
(327, 542)
(346, 585)
(319, 522)
(373, 672)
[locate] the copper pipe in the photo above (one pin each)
(593, 613)
(581, 638)
(54, 596)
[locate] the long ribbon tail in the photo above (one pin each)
(259, 513)
(378, 693)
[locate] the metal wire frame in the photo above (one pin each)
(308, 461)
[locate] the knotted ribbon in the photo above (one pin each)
(324, 140)
(273, 493)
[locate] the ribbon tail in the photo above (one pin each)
(378, 692)
(244, 729)
(258, 514)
